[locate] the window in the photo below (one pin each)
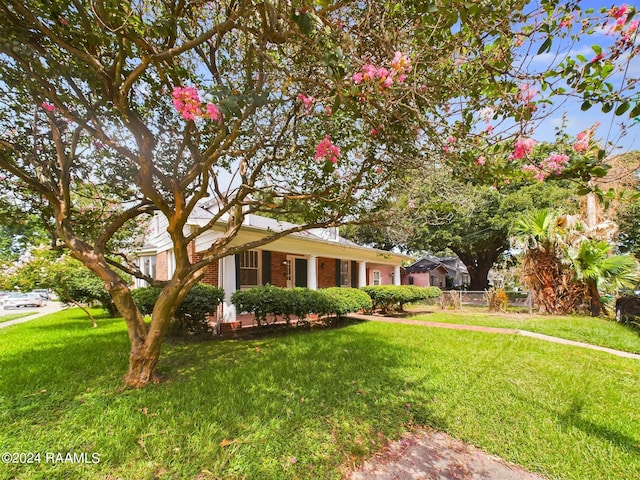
(376, 277)
(250, 268)
(149, 266)
(345, 273)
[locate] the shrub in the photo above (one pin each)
(389, 297)
(497, 300)
(347, 300)
(269, 301)
(191, 317)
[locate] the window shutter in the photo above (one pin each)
(237, 259)
(301, 272)
(266, 267)
(337, 273)
(354, 274)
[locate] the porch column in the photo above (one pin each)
(228, 276)
(312, 274)
(396, 275)
(362, 274)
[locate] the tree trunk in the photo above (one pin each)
(478, 268)
(143, 360)
(594, 299)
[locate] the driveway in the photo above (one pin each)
(34, 312)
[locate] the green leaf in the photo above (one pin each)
(304, 22)
(586, 105)
(545, 47)
(635, 112)
(597, 49)
(622, 108)
(607, 107)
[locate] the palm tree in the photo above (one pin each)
(542, 235)
(595, 266)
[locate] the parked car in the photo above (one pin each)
(16, 300)
(43, 293)
(628, 306)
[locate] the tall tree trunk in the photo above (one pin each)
(478, 267)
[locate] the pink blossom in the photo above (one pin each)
(357, 78)
(186, 100)
(63, 21)
(527, 92)
(555, 162)
(522, 148)
(481, 160)
(411, 203)
(327, 151)
(308, 101)
(98, 144)
(382, 73)
(618, 12)
(451, 139)
(49, 107)
(369, 72)
(597, 58)
(401, 63)
(328, 110)
(582, 141)
(402, 78)
(214, 112)
(566, 21)
(378, 170)
(293, 460)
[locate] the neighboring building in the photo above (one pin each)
(315, 258)
(442, 272)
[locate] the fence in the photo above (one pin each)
(458, 298)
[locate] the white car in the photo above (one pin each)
(16, 300)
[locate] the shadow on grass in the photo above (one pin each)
(573, 418)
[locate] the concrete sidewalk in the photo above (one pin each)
(504, 331)
(50, 307)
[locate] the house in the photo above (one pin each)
(314, 258)
(442, 272)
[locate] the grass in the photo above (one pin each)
(597, 331)
(309, 404)
(13, 316)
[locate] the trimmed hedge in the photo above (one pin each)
(266, 303)
(347, 300)
(191, 315)
(390, 297)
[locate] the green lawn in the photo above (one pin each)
(598, 331)
(309, 404)
(12, 316)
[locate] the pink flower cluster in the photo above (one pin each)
(522, 148)
(553, 164)
(582, 141)
(327, 151)
(385, 78)
(186, 100)
(307, 101)
(49, 107)
(527, 93)
(621, 15)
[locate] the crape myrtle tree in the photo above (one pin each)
(115, 110)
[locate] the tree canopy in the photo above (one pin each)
(115, 110)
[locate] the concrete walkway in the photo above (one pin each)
(505, 331)
(50, 307)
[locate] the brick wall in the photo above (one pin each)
(211, 274)
(326, 269)
(162, 266)
(278, 269)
